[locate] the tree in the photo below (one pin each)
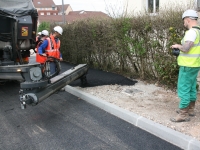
(44, 26)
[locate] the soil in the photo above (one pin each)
(150, 101)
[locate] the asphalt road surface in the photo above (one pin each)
(65, 122)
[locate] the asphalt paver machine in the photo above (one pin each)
(18, 27)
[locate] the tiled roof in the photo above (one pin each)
(87, 13)
(50, 18)
(39, 11)
(75, 12)
(59, 7)
(52, 12)
(43, 3)
(72, 17)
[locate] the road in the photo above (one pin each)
(66, 122)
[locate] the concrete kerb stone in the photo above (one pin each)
(177, 138)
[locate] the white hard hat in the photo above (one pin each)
(39, 33)
(190, 13)
(58, 29)
(45, 32)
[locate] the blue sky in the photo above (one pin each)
(106, 6)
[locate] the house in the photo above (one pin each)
(67, 8)
(73, 16)
(133, 7)
(45, 7)
(48, 7)
(49, 12)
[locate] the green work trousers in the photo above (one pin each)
(187, 82)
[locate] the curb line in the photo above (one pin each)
(177, 138)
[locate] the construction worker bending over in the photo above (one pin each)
(42, 46)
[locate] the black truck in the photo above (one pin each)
(18, 29)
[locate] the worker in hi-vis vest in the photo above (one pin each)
(42, 46)
(55, 48)
(189, 62)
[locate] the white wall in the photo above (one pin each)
(134, 7)
(185, 4)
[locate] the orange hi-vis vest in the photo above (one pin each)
(54, 52)
(39, 58)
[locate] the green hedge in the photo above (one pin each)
(135, 47)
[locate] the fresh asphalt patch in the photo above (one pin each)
(97, 77)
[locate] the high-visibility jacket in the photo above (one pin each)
(39, 58)
(54, 51)
(192, 58)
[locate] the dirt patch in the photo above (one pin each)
(150, 101)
